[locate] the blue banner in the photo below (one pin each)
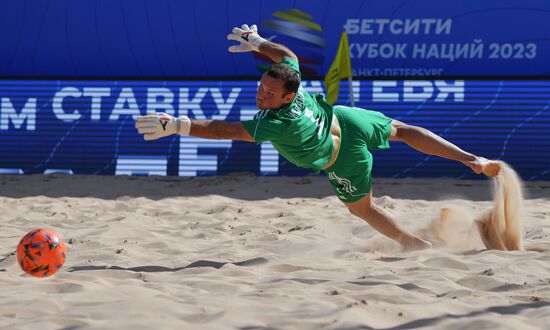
(87, 127)
(146, 38)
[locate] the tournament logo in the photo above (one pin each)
(296, 30)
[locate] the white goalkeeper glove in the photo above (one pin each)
(248, 37)
(157, 125)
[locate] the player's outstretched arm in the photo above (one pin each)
(249, 40)
(157, 125)
(218, 129)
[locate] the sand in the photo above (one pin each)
(499, 228)
(245, 252)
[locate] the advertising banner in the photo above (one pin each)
(179, 39)
(87, 127)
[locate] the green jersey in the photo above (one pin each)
(299, 131)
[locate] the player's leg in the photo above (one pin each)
(351, 180)
(350, 175)
(429, 143)
(385, 222)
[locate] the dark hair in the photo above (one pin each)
(286, 74)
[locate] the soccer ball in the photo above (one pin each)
(41, 253)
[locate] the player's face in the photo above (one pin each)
(272, 94)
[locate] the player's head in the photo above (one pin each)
(278, 87)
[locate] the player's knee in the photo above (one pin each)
(353, 211)
(361, 210)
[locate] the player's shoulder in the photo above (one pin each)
(292, 62)
(261, 114)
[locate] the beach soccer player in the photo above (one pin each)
(312, 134)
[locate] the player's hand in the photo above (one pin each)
(248, 38)
(156, 125)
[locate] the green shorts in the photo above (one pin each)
(361, 130)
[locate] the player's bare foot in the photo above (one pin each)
(423, 245)
(485, 166)
(417, 243)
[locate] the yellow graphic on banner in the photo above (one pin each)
(340, 69)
